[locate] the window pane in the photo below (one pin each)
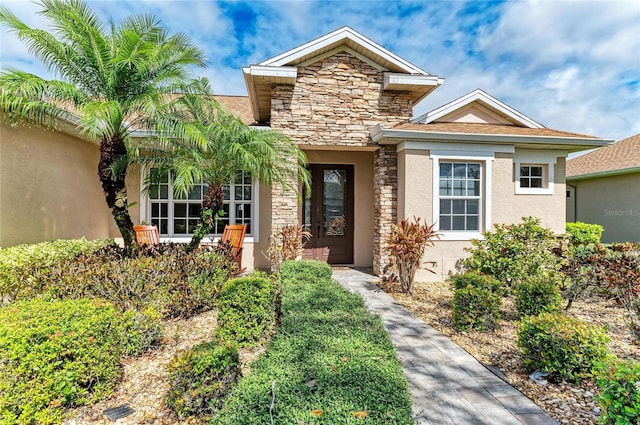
(247, 180)
(247, 193)
(472, 223)
(180, 226)
(164, 192)
(524, 182)
(445, 206)
(195, 210)
(155, 209)
(227, 193)
(472, 206)
(193, 223)
(459, 188)
(459, 170)
(473, 171)
(536, 181)
(445, 187)
(164, 210)
(238, 193)
(473, 188)
(524, 171)
(457, 223)
(180, 210)
(445, 222)
(458, 206)
(445, 170)
(238, 179)
(196, 193)
(153, 192)
(536, 171)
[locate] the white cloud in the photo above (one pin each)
(571, 65)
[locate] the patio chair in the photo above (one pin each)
(147, 235)
(233, 234)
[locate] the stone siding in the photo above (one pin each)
(336, 101)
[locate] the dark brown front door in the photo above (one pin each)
(328, 214)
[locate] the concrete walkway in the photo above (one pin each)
(448, 385)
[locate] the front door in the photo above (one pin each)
(328, 214)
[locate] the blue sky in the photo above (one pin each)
(570, 65)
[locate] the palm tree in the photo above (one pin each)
(220, 145)
(114, 80)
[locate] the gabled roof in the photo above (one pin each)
(486, 103)
(622, 157)
(399, 74)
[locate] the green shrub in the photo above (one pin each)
(21, 265)
(476, 308)
(582, 233)
(476, 280)
(55, 355)
(246, 310)
(619, 392)
(512, 252)
(536, 295)
(141, 331)
(175, 282)
(566, 348)
(201, 378)
(304, 269)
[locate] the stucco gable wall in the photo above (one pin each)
(337, 101)
(49, 187)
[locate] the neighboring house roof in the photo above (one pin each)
(483, 128)
(622, 157)
(399, 74)
(479, 102)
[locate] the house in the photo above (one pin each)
(603, 187)
(347, 102)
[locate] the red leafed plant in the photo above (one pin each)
(406, 245)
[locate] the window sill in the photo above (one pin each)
(531, 191)
(448, 235)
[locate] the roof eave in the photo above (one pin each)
(608, 173)
(572, 144)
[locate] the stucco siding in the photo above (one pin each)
(613, 202)
(49, 187)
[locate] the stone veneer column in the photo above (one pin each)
(284, 202)
(385, 193)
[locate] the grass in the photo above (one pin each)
(331, 362)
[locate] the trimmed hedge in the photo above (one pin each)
(536, 295)
(583, 233)
(246, 310)
(566, 348)
(476, 308)
(330, 362)
(56, 355)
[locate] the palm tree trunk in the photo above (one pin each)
(114, 188)
(212, 204)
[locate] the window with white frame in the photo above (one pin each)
(534, 172)
(179, 215)
(533, 176)
(460, 188)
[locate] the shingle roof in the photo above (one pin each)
(238, 106)
(479, 128)
(617, 156)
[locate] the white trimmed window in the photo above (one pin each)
(460, 200)
(178, 216)
(534, 172)
(534, 176)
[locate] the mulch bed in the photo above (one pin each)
(566, 402)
